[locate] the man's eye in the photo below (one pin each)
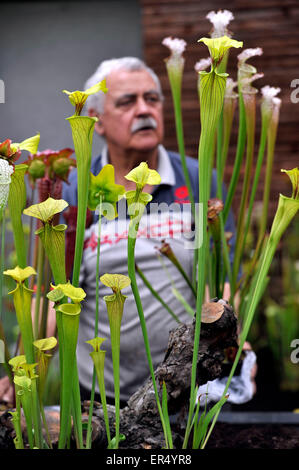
(153, 99)
(125, 103)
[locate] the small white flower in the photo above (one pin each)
(229, 90)
(5, 179)
(246, 83)
(247, 53)
(202, 64)
(269, 98)
(269, 92)
(177, 46)
(220, 21)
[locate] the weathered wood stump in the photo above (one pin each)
(140, 421)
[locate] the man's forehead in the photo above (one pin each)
(122, 82)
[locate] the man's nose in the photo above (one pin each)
(142, 106)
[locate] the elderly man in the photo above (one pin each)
(130, 118)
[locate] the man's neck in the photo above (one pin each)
(124, 162)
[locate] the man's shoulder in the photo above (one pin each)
(192, 167)
(175, 158)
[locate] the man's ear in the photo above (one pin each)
(98, 125)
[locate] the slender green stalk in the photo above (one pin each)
(204, 156)
(115, 323)
(23, 390)
(175, 67)
(169, 442)
(40, 267)
(155, 294)
(44, 316)
(16, 420)
(228, 116)
(166, 250)
(271, 140)
(98, 357)
(36, 417)
(219, 152)
(96, 329)
(263, 140)
(45, 424)
(249, 101)
(176, 95)
(132, 275)
(238, 159)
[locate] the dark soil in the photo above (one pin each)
(270, 436)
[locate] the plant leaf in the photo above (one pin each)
(46, 210)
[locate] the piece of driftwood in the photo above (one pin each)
(139, 421)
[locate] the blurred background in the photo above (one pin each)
(51, 46)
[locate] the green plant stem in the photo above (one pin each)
(40, 268)
(204, 156)
(272, 133)
(176, 94)
(44, 316)
(98, 358)
(155, 294)
(228, 116)
(96, 329)
(263, 139)
(45, 425)
(27, 408)
(250, 127)
(132, 275)
(38, 438)
(31, 232)
(219, 152)
(17, 424)
(225, 253)
(238, 159)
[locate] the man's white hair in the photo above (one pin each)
(130, 64)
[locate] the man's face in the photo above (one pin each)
(132, 118)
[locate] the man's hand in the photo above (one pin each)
(6, 390)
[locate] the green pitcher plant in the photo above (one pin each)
(98, 358)
(212, 87)
(115, 307)
(103, 196)
(142, 175)
(67, 318)
(82, 131)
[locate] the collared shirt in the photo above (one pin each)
(168, 218)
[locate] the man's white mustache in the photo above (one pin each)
(142, 123)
